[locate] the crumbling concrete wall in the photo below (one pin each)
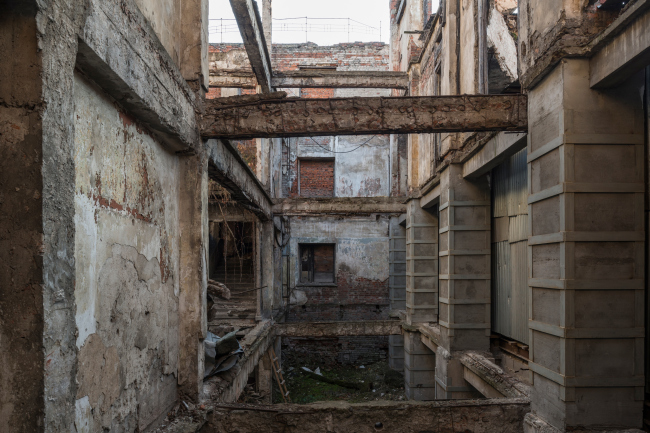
(21, 223)
(127, 264)
(478, 416)
(165, 18)
(360, 290)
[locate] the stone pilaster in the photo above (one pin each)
(586, 250)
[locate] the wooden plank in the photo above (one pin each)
(294, 117)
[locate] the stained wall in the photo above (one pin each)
(127, 267)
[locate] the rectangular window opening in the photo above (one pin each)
(317, 263)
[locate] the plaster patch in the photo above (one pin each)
(83, 415)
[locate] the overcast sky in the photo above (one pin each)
(366, 18)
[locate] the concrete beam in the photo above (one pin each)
(339, 205)
(251, 29)
(116, 49)
(227, 167)
(339, 329)
(237, 78)
(341, 79)
(361, 116)
(506, 416)
(489, 379)
(625, 47)
(495, 151)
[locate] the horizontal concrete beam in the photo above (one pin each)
(117, 48)
(252, 32)
(339, 205)
(237, 78)
(361, 116)
(341, 79)
(504, 416)
(625, 47)
(490, 380)
(339, 329)
(493, 153)
(227, 167)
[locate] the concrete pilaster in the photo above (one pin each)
(397, 288)
(264, 379)
(586, 250)
(464, 261)
(421, 265)
(419, 366)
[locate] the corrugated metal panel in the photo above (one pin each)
(501, 289)
(519, 290)
(509, 258)
(500, 191)
(518, 183)
(518, 228)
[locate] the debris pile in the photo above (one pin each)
(221, 353)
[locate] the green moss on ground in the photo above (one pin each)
(383, 383)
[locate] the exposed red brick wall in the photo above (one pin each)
(324, 258)
(316, 178)
(215, 92)
(316, 93)
(343, 350)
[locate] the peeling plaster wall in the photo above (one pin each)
(127, 267)
(361, 269)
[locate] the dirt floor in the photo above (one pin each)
(377, 381)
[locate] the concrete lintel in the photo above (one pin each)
(116, 49)
(252, 32)
(490, 380)
(494, 153)
(341, 79)
(228, 168)
(339, 205)
(431, 198)
(338, 329)
(623, 49)
(297, 117)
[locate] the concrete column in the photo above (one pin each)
(421, 265)
(419, 366)
(267, 268)
(194, 43)
(464, 276)
(397, 288)
(264, 379)
(194, 233)
(586, 250)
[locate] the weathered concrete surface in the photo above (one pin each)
(227, 167)
(493, 153)
(229, 386)
(491, 378)
(339, 205)
(252, 32)
(119, 50)
(359, 116)
(339, 329)
(338, 417)
(586, 249)
(21, 222)
(626, 53)
(127, 267)
(340, 79)
(237, 78)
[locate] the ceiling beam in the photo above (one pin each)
(341, 79)
(250, 27)
(295, 117)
